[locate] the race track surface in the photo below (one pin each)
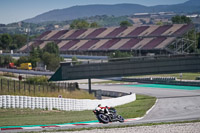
(174, 103)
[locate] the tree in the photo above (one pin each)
(6, 40)
(94, 25)
(119, 54)
(79, 24)
(159, 23)
(22, 59)
(5, 60)
(51, 48)
(51, 61)
(125, 23)
(180, 19)
(19, 40)
(75, 61)
(34, 56)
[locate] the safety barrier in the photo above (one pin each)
(8, 101)
(166, 82)
(151, 79)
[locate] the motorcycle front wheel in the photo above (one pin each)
(121, 119)
(103, 118)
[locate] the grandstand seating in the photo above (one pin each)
(98, 44)
(142, 43)
(78, 45)
(173, 29)
(42, 35)
(105, 33)
(151, 37)
(116, 31)
(88, 44)
(96, 33)
(153, 43)
(127, 31)
(165, 42)
(108, 44)
(182, 30)
(77, 33)
(149, 30)
(69, 45)
(160, 30)
(130, 44)
(119, 44)
(86, 33)
(62, 43)
(42, 45)
(48, 36)
(137, 31)
(58, 34)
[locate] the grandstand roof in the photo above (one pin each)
(149, 37)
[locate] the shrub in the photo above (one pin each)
(37, 80)
(197, 78)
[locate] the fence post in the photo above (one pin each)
(29, 87)
(43, 86)
(58, 86)
(34, 88)
(1, 84)
(47, 86)
(39, 87)
(8, 85)
(24, 88)
(65, 86)
(19, 86)
(68, 86)
(14, 86)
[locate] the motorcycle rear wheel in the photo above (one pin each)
(103, 118)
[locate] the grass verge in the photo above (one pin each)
(14, 117)
(12, 87)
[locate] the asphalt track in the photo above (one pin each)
(175, 103)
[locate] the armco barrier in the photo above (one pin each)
(7, 101)
(167, 82)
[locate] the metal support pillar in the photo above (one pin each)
(89, 85)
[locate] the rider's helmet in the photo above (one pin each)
(99, 105)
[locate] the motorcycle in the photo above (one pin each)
(108, 115)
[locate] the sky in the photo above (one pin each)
(18, 10)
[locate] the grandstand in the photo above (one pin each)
(139, 39)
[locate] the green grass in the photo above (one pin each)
(16, 117)
(137, 108)
(185, 76)
(41, 90)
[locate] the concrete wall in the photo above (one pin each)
(135, 66)
(8, 101)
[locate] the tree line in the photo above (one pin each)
(49, 56)
(12, 42)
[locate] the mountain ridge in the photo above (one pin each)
(81, 11)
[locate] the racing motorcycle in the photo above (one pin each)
(108, 115)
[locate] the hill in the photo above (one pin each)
(116, 10)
